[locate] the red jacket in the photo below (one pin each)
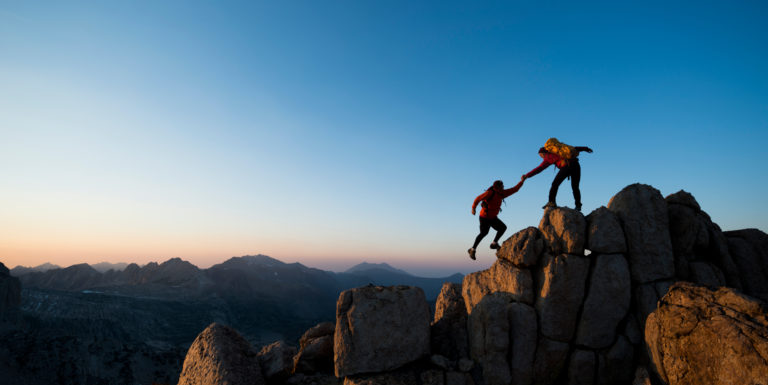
(494, 203)
(550, 159)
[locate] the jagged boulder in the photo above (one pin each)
(701, 336)
(276, 361)
(565, 230)
(503, 277)
(219, 356)
(604, 233)
(643, 215)
(683, 198)
(523, 248)
(749, 249)
(316, 350)
(687, 226)
(561, 285)
(380, 329)
(607, 302)
(449, 327)
(718, 252)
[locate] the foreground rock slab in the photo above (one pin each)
(380, 329)
(220, 355)
(701, 336)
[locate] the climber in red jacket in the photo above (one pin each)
(491, 207)
(569, 167)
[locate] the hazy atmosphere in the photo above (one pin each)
(332, 133)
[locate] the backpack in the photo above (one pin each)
(484, 202)
(560, 149)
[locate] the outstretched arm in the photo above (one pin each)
(514, 189)
(537, 170)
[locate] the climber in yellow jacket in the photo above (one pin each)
(566, 158)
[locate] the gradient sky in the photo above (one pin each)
(336, 132)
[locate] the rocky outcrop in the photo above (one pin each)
(220, 355)
(523, 248)
(523, 335)
(701, 336)
(380, 329)
(276, 361)
(604, 233)
(607, 302)
(562, 281)
(316, 350)
(489, 337)
(700, 248)
(749, 248)
(575, 325)
(567, 303)
(564, 229)
(503, 277)
(449, 327)
(645, 221)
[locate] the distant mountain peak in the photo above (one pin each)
(365, 266)
(254, 260)
(106, 266)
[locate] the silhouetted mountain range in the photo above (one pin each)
(148, 315)
(259, 276)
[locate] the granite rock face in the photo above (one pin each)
(380, 329)
(523, 333)
(449, 327)
(564, 229)
(549, 313)
(642, 212)
(504, 277)
(562, 282)
(701, 336)
(749, 249)
(604, 233)
(315, 350)
(489, 337)
(523, 248)
(607, 302)
(700, 247)
(276, 360)
(220, 355)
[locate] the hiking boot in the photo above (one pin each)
(495, 245)
(471, 252)
(549, 205)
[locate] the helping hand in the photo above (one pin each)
(589, 150)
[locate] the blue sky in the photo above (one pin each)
(332, 133)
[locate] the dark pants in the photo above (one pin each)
(485, 226)
(572, 169)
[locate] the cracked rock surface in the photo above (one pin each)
(701, 336)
